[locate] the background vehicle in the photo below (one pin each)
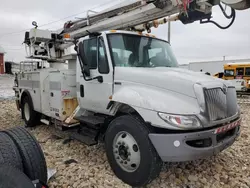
(238, 74)
(238, 71)
(126, 88)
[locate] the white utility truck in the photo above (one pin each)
(124, 86)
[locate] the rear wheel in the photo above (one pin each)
(130, 153)
(30, 116)
(9, 154)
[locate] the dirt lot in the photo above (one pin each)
(230, 168)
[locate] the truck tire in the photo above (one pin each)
(30, 116)
(9, 154)
(13, 178)
(34, 163)
(130, 153)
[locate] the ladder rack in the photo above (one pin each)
(90, 20)
(123, 18)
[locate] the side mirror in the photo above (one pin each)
(81, 56)
(99, 79)
(86, 70)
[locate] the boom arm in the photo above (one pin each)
(237, 4)
(139, 15)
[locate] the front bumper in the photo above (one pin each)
(195, 145)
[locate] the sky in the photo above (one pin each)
(192, 42)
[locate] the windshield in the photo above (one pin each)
(137, 51)
(229, 72)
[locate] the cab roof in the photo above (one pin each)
(130, 32)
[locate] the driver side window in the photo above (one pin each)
(90, 52)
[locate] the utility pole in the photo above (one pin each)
(169, 31)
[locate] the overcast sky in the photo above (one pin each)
(192, 42)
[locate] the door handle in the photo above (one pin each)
(82, 91)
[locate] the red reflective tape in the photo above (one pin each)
(235, 124)
(239, 122)
(218, 130)
(228, 127)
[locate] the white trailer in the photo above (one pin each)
(125, 88)
(213, 67)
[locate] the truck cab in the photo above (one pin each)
(141, 71)
(129, 90)
(123, 60)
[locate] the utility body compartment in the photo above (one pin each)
(53, 92)
(62, 96)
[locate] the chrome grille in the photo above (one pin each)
(220, 105)
(232, 104)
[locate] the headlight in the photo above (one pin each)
(189, 121)
(200, 96)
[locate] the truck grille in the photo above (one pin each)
(220, 105)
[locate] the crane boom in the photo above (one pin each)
(137, 15)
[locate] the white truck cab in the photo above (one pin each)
(142, 73)
(127, 88)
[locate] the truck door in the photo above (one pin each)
(95, 95)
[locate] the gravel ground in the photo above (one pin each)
(89, 166)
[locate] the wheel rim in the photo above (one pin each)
(26, 111)
(126, 151)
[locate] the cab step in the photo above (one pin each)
(85, 135)
(91, 121)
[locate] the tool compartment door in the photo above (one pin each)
(68, 92)
(55, 96)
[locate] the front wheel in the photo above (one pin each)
(130, 153)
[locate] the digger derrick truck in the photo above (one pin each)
(123, 86)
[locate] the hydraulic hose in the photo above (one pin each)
(224, 12)
(232, 16)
